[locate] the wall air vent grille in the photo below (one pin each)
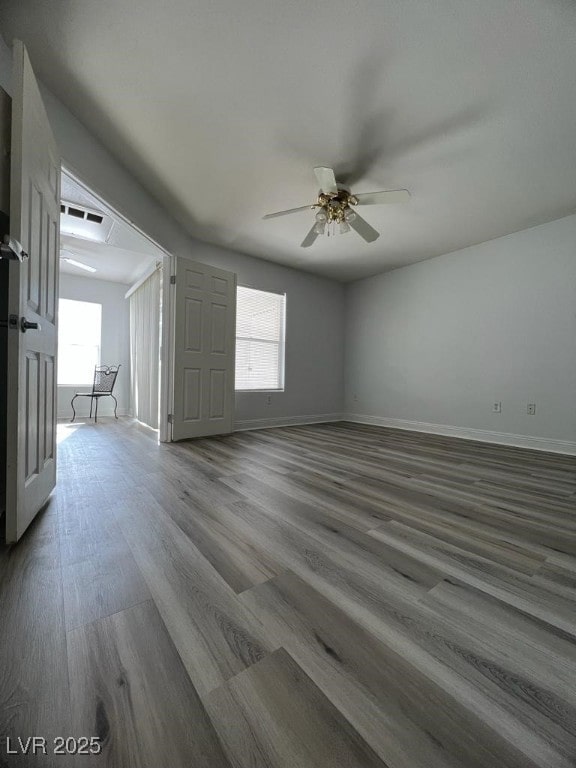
(83, 222)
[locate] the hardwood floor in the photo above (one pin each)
(332, 595)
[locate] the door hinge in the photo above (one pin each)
(172, 279)
(170, 418)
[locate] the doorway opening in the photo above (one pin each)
(110, 309)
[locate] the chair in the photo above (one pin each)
(104, 380)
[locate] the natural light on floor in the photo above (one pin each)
(63, 431)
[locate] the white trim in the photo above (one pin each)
(66, 416)
(141, 280)
(73, 174)
(286, 421)
(482, 435)
(167, 351)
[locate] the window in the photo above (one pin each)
(260, 321)
(79, 332)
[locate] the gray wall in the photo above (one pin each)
(115, 344)
(439, 342)
(314, 382)
(315, 306)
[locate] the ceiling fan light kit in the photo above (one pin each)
(334, 212)
(334, 208)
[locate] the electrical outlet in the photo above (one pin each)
(531, 409)
(355, 398)
(497, 408)
(268, 399)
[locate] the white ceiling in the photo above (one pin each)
(222, 109)
(122, 259)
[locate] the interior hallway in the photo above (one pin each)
(332, 595)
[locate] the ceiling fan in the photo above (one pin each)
(67, 257)
(335, 204)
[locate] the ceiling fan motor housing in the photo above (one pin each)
(335, 208)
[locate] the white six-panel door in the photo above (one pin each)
(33, 297)
(204, 350)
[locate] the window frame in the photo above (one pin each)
(281, 343)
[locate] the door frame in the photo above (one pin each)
(167, 314)
(167, 350)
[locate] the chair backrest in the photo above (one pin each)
(105, 378)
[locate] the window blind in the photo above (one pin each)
(260, 322)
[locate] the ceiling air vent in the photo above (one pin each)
(84, 222)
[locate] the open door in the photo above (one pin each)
(32, 303)
(204, 350)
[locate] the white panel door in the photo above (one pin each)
(204, 350)
(33, 298)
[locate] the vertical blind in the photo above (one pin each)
(145, 349)
(260, 322)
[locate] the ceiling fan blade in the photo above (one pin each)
(309, 239)
(285, 213)
(326, 180)
(364, 229)
(377, 198)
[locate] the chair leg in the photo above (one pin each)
(91, 403)
(115, 406)
(73, 409)
(96, 411)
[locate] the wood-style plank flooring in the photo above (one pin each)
(306, 597)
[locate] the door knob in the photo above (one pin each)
(25, 325)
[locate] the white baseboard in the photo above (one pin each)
(67, 415)
(286, 421)
(482, 435)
